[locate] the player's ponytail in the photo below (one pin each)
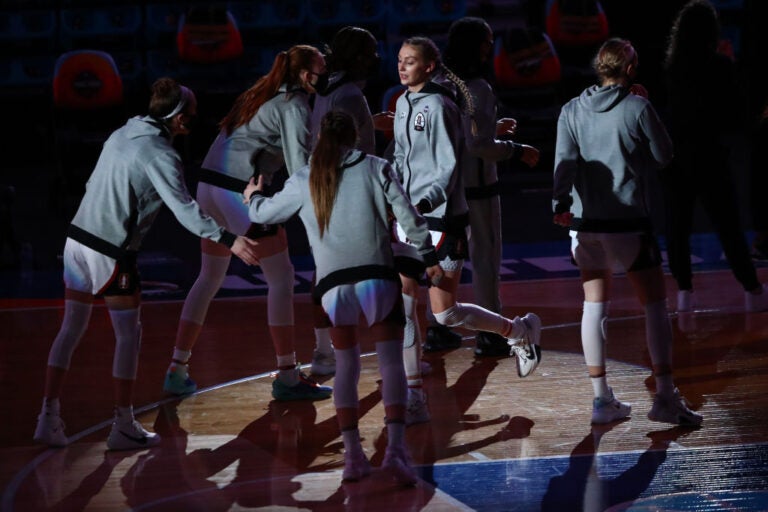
(337, 136)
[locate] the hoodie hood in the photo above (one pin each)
(337, 79)
(602, 98)
(145, 126)
(439, 83)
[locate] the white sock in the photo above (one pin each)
(323, 342)
(51, 407)
(286, 360)
(124, 414)
(181, 356)
(351, 440)
(472, 316)
(288, 377)
(600, 386)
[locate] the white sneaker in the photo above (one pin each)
(754, 303)
(527, 349)
(323, 364)
(131, 436)
(50, 431)
(396, 464)
(673, 409)
(606, 410)
(356, 467)
(685, 301)
(416, 410)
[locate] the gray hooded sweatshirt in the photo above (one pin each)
(347, 96)
(278, 135)
(429, 145)
(356, 245)
(138, 170)
(608, 141)
(484, 149)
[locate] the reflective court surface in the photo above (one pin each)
(495, 442)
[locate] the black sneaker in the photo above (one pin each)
(490, 344)
(440, 337)
(760, 251)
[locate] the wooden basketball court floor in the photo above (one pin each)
(495, 442)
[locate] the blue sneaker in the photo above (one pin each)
(177, 382)
(609, 409)
(306, 389)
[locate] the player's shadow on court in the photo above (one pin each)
(48, 476)
(260, 467)
(593, 483)
(433, 441)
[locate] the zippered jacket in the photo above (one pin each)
(429, 145)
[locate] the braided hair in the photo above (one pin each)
(431, 52)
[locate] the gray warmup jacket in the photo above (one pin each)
(277, 135)
(346, 96)
(429, 146)
(138, 170)
(608, 141)
(356, 245)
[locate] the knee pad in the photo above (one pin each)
(594, 330)
(451, 317)
(411, 333)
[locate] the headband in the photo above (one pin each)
(186, 96)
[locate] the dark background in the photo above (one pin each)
(41, 144)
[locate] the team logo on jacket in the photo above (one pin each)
(419, 122)
(124, 281)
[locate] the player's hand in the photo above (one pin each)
(384, 121)
(245, 249)
(564, 219)
(435, 274)
(530, 155)
(253, 186)
(506, 126)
